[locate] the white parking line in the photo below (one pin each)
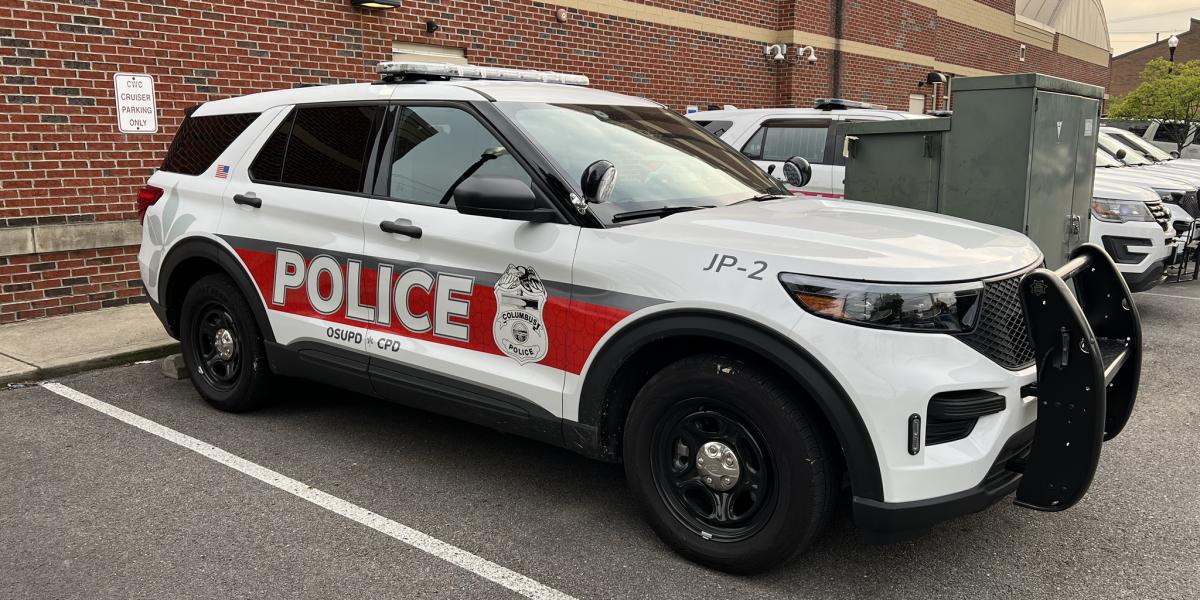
(1167, 296)
(482, 567)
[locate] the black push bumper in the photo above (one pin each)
(1088, 347)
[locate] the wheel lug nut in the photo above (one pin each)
(700, 460)
(708, 480)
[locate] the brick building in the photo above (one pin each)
(68, 178)
(1127, 68)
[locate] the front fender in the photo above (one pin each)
(596, 404)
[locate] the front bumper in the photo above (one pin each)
(888, 522)
(1148, 279)
(1088, 363)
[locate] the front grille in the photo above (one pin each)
(1191, 204)
(1161, 215)
(1000, 332)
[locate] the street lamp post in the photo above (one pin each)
(1172, 44)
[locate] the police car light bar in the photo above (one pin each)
(841, 104)
(420, 69)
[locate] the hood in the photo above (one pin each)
(1114, 187)
(851, 240)
(1157, 178)
(1182, 173)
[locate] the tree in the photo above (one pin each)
(1169, 94)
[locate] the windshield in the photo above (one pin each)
(663, 160)
(1111, 146)
(1146, 147)
(1104, 160)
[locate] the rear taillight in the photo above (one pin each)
(146, 197)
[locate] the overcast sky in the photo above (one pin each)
(1133, 23)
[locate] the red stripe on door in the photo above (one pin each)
(574, 327)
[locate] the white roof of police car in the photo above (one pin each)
(456, 89)
(713, 115)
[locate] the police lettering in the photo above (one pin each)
(330, 290)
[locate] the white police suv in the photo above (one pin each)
(598, 272)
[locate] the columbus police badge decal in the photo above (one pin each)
(519, 329)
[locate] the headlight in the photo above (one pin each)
(933, 308)
(1120, 211)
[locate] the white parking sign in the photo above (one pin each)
(135, 103)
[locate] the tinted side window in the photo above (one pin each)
(438, 147)
(717, 128)
(808, 142)
(268, 165)
(753, 147)
(328, 146)
(1170, 132)
(200, 140)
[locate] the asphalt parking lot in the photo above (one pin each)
(91, 506)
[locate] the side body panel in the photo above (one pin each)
(448, 295)
(189, 204)
(269, 240)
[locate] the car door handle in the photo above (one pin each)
(411, 231)
(247, 200)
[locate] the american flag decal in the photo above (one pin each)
(222, 172)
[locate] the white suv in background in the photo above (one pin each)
(770, 136)
(595, 271)
(1162, 135)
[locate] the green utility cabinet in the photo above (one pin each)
(1019, 151)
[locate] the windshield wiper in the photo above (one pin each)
(763, 197)
(662, 211)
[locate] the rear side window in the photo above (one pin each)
(200, 140)
(318, 146)
(268, 165)
(328, 146)
(1170, 132)
(717, 128)
(1138, 130)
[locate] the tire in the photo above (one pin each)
(785, 485)
(231, 377)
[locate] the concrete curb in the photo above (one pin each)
(34, 374)
(56, 346)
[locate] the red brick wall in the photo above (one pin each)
(61, 160)
(1127, 68)
(57, 283)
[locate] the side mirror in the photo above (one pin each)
(797, 172)
(500, 198)
(598, 181)
(1121, 154)
(1174, 154)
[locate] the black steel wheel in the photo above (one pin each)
(711, 470)
(732, 468)
(222, 346)
(219, 346)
